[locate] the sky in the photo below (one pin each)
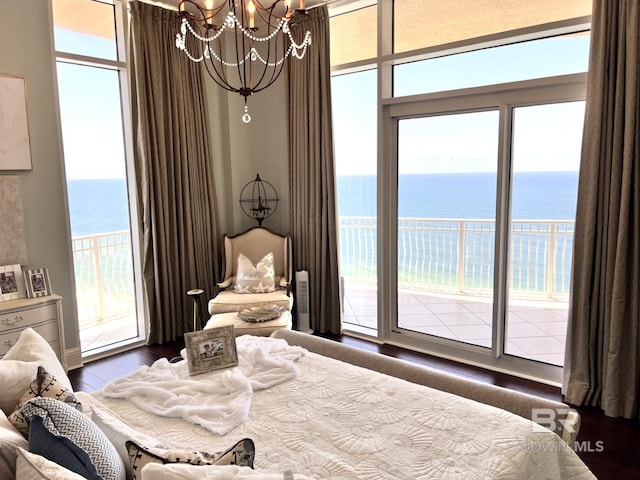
(90, 110)
(547, 138)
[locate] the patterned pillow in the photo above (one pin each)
(64, 435)
(45, 385)
(241, 454)
(259, 278)
(30, 466)
(10, 442)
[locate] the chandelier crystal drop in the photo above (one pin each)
(243, 44)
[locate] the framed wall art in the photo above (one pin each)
(15, 147)
(37, 281)
(12, 284)
(211, 349)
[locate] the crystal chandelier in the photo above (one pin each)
(243, 44)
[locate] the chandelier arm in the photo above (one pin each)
(267, 66)
(277, 67)
(218, 77)
(245, 89)
(271, 16)
(271, 81)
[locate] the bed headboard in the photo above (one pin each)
(568, 421)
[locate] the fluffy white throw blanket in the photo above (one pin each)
(218, 400)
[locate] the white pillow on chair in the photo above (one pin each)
(259, 278)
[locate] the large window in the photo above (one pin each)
(477, 140)
(91, 68)
(356, 171)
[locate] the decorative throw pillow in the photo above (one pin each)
(30, 466)
(45, 385)
(118, 432)
(15, 377)
(10, 441)
(64, 435)
(241, 454)
(259, 278)
(31, 347)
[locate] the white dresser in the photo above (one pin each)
(43, 314)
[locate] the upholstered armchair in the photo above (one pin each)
(257, 271)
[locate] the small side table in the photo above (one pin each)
(195, 295)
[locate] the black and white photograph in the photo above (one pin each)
(12, 285)
(211, 349)
(37, 281)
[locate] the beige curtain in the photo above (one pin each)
(602, 362)
(311, 173)
(173, 167)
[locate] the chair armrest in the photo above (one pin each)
(284, 283)
(225, 283)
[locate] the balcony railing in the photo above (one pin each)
(104, 276)
(458, 254)
(433, 254)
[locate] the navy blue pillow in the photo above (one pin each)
(72, 432)
(60, 450)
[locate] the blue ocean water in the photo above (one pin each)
(536, 195)
(98, 206)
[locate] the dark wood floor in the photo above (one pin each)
(611, 445)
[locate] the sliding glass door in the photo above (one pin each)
(447, 174)
(485, 216)
(544, 189)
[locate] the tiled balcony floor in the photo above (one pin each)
(98, 335)
(535, 329)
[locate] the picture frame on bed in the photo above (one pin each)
(12, 285)
(211, 349)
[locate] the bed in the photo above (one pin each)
(346, 413)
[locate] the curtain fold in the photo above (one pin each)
(173, 167)
(311, 173)
(602, 366)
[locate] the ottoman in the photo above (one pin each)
(241, 327)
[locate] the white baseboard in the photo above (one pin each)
(74, 358)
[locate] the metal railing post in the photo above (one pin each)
(95, 257)
(461, 257)
(551, 265)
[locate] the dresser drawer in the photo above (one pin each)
(48, 330)
(21, 319)
(43, 314)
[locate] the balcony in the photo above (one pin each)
(104, 289)
(445, 280)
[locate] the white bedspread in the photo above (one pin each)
(218, 400)
(338, 421)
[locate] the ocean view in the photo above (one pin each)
(428, 250)
(99, 206)
(537, 195)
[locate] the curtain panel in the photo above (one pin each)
(311, 173)
(173, 167)
(602, 366)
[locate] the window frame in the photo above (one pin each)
(120, 66)
(390, 109)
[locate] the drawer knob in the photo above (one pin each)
(12, 321)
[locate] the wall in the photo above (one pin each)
(26, 23)
(239, 150)
(244, 150)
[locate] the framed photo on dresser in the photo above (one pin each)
(37, 281)
(12, 284)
